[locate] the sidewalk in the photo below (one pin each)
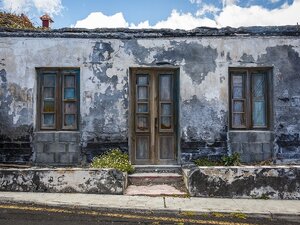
(251, 207)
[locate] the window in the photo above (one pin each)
(58, 99)
(249, 98)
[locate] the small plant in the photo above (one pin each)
(207, 162)
(113, 159)
(232, 160)
(263, 196)
(218, 215)
(238, 215)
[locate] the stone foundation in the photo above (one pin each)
(100, 181)
(276, 182)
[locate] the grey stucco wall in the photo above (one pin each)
(104, 89)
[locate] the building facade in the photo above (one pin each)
(163, 96)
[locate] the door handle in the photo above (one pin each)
(155, 122)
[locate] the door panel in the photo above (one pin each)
(142, 147)
(153, 114)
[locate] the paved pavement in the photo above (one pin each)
(279, 209)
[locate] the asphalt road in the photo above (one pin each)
(34, 215)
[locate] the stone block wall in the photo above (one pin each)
(57, 148)
(253, 146)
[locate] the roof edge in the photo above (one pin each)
(126, 33)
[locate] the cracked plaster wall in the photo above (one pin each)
(104, 74)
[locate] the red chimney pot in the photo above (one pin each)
(46, 19)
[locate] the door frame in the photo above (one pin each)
(131, 108)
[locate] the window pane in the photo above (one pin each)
(69, 93)
(70, 108)
(165, 85)
(48, 120)
(69, 120)
(69, 81)
(142, 123)
(238, 119)
(166, 109)
(238, 88)
(258, 88)
(49, 80)
(142, 79)
(238, 106)
(49, 106)
(48, 93)
(165, 122)
(259, 114)
(142, 93)
(142, 107)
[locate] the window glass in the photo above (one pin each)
(238, 86)
(258, 98)
(48, 120)
(69, 93)
(69, 120)
(259, 113)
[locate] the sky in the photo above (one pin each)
(173, 14)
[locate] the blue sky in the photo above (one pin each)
(183, 14)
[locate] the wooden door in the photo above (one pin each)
(153, 116)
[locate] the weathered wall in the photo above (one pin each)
(281, 182)
(100, 181)
(104, 84)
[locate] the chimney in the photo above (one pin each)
(46, 21)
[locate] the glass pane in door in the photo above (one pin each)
(165, 87)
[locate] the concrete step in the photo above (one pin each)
(156, 180)
(155, 190)
(157, 169)
(141, 179)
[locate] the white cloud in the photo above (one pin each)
(207, 9)
(274, 1)
(16, 6)
(184, 21)
(48, 6)
(231, 15)
(229, 2)
(52, 7)
(196, 2)
(236, 16)
(98, 19)
(175, 21)
(144, 24)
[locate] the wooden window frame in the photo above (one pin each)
(60, 74)
(248, 98)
